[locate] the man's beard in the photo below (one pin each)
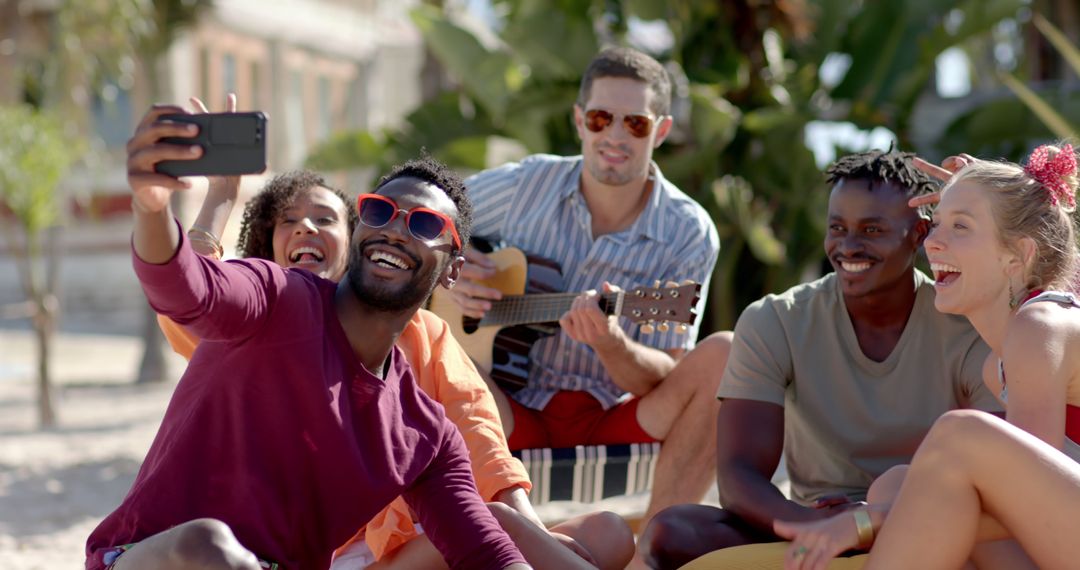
(606, 174)
(383, 297)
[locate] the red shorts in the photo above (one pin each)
(576, 418)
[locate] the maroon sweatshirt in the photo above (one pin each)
(277, 429)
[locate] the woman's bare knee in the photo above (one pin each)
(885, 488)
(606, 536)
(611, 526)
(958, 431)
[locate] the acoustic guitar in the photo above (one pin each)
(499, 343)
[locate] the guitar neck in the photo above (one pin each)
(541, 308)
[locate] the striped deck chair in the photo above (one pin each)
(587, 474)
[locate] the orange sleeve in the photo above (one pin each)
(444, 372)
(471, 406)
(182, 341)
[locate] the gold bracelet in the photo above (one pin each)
(864, 526)
(198, 233)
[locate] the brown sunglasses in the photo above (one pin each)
(637, 125)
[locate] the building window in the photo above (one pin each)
(228, 73)
(111, 111)
(294, 117)
(204, 74)
(255, 87)
(324, 108)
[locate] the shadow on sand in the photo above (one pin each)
(43, 502)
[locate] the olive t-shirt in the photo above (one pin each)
(847, 418)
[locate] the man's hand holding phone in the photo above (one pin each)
(152, 189)
(233, 144)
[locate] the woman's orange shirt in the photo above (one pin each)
(444, 372)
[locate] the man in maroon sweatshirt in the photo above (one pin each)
(297, 419)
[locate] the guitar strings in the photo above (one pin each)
(522, 309)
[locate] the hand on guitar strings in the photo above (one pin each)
(586, 323)
(475, 299)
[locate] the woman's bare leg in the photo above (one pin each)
(973, 464)
(1001, 555)
(885, 488)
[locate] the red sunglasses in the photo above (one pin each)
(424, 224)
(636, 124)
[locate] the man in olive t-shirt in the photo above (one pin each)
(847, 417)
(845, 375)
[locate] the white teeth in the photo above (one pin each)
(944, 268)
(389, 258)
(296, 253)
(854, 267)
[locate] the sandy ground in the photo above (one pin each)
(56, 485)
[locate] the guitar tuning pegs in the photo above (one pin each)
(656, 284)
(671, 284)
(688, 282)
(682, 329)
(648, 328)
(663, 327)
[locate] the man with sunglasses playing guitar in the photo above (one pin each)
(609, 219)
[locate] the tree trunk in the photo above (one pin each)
(154, 367)
(44, 309)
(43, 327)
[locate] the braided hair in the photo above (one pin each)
(882, 166)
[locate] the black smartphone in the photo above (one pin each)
(232, 143)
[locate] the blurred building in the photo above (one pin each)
(314, 66)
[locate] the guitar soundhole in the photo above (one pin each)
(470, 324)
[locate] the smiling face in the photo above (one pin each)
(971, 266)
(872, 237)
(389, 269)
(312, 233)
(613, 156)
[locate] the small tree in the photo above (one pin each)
(34, 155)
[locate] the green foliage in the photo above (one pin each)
(1047, 113)
(893, 47)
(1007, 127)
(35, 154)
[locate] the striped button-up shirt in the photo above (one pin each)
(536, 206)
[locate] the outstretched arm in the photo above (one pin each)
(213, 216)
(155, 236)
(219, 300)
(219, 203)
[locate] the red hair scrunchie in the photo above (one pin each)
(1051, 172)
